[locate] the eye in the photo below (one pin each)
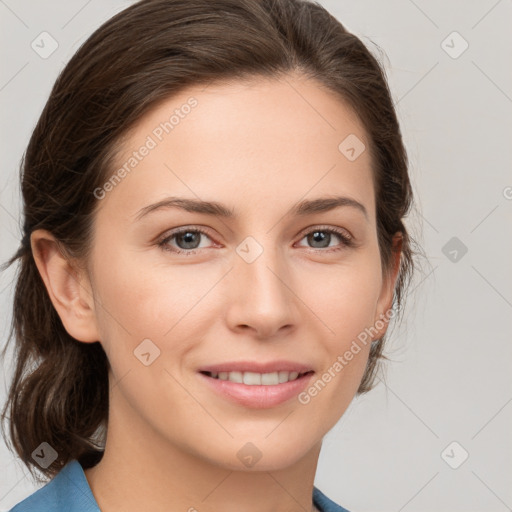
(323, 236)
(187, 240)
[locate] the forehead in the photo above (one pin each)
(267, 139)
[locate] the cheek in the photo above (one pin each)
(139, 301)
(344, 298)
(346, 308)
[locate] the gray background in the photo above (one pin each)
(449, 379)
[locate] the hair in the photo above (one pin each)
(141, 56)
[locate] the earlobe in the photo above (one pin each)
(68, 287)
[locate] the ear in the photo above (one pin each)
(388, 287)
(68, 286)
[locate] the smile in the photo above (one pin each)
(257, 385)
(256, 379)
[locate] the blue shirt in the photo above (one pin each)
(69, 491)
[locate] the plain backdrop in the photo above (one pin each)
(435, 434)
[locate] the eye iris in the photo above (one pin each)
(322, 236)
(187, 235)
(191, 239)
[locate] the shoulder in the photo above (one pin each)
(68, 491)
(324, 504)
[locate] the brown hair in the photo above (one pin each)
(141, 56)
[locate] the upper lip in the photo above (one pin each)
(253, 366)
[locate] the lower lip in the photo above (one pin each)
(257, 396)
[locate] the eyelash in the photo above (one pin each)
(346, 241)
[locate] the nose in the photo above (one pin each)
(261, 297)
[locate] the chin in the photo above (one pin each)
(263, 455)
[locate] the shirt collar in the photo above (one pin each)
(70, 490)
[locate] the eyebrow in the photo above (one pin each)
(306, 207)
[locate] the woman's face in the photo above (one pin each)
(272, 287)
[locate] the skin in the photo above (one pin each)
(257, 147)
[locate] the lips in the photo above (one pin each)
(257, 385)
(255, 367)
(255, 379)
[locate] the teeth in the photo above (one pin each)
(254, 379)
(270, 379)
(283, 377)
(236, 377)
(251, 378)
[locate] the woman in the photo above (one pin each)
(213, 249)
